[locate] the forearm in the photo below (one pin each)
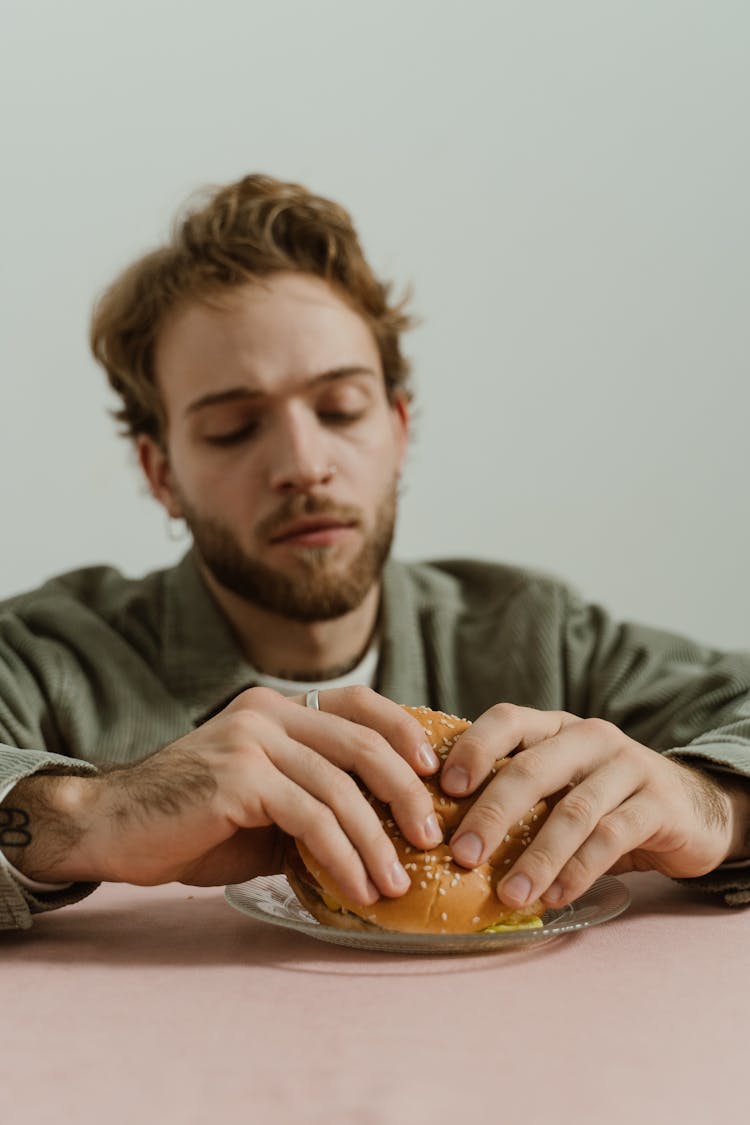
(45, 829)
(738, 793)
(722, 801)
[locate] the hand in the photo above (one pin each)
(621, 806)
(208, 808)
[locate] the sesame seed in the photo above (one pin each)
(441, 890)
(443, 917)
(507, 839)
(474, 920)
(423, 885)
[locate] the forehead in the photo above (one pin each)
(268, 336)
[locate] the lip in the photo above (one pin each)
(312, 532)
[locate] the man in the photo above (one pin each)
(156, 730)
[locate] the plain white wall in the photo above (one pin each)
(565, 184)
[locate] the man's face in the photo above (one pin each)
(282, 450)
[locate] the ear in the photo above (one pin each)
(158, 472)
(402, 423)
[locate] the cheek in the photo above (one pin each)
(214, 484)
(378, 446)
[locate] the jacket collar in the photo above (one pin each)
(204, 665)
(202, 660)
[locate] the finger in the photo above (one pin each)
(568, 826)
(494, 735)
(301, 815)
(358, 749)
(618, 834)
(528, 777)
(362, 705)
(357, 820)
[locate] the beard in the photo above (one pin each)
(320, 591)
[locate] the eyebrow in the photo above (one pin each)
(230, 394)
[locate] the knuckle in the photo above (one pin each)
(374, 842)
(408, 797)
(601, 729)
(488, 819)
(509, 715)
(341, 790)
(360, 695)
(321, 829)
(619, 826)
(254, 699)
(527, 766)
(370, 745)
(576, 808)
(468, 745)
(541, 862)
(416, 792)
(611, 832)
(408, 730)
(576, 875)
(240, 730)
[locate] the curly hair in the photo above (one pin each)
(245, 231)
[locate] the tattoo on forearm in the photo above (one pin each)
(14, 828)
(34, 834)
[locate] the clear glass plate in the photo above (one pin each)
(269, 898)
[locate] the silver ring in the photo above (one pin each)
(312, 699)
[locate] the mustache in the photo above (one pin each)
(306, 505)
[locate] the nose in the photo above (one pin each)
(301, 459)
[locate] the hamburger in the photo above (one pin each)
(444, 898)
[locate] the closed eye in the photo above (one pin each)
(339, 417)
(234, 436)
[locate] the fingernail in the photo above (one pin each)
(517, 889)
(432, 829)
(553, 893)
(455, 780)
(428, 757)
(373, 894)
(399, 877)
(467, 848)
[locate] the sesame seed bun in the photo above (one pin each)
(444, 897)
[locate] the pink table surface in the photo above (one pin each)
(166, 1005)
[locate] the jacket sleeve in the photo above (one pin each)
(683, 699)
(29, 744)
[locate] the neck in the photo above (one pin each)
(297, 650)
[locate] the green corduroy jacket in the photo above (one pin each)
(99, 670)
